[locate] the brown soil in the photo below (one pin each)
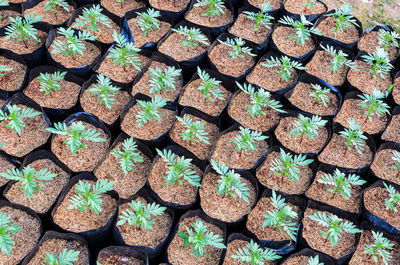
(244, 28)
(178, 255)
(79, 221)
(282, 37)
(392, 132)
(56, 246)
(382, 166)
(319, 66)
(69, 61)
(256, 219)
(43, 199)
(150, 130)
(169, 5)
(300, 97)
(297, 260)
(64, 98)
(5, 165)
(396, 90)
(119, 260)
(120, 73)
(179, 194)
(120, 9)
(195, 15)
(172, 46)
(85, 159)
(348, 35)
(50, 17)
(16, 1)
(25, 240)
(152, 36)
(232, 247)
(319, 192)
(282, 184)
(10, 81)
(300, 144)
(374, 202)
(224, 207)
(126, 185)
(142, 86)
(275, 4)
(104, 33)
(369, 42)
(33, 135)
(5, 14)
(226, 64)
(151, 238)
(364, 81)
(194, 98)
(311, 233)
(335, 154)
(224, 152)
(20, 48)
(294, 6)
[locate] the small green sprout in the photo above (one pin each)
(314, 261)
(51, 5)
(394, 198)
(140, 215)
(261, 18)
(286, 66)
(282, 217)
(379, 61)
(22, 28)
(193, 36)
(343, 18)
(354, 137)
(310, 4)
(246, 139)
(104, 90)
(396, 158)
(4, 3)
(209, 86)
(66, 257)
(320, 94)
(379, 248)
(388, 39)
(4, 68)
(16, 116)
(124, 53)
(339, 59)
(237, 46)
(149, 110)
(254, 254)
(194, 130)
(198, 238)
(215, 7)
(51, 82)
(287, 166)
(148, 21)
(161, 80)
(128, 156)
(92, 18)
(6, 232)
(304, 28)
(373, 104)
(73, 43)
(304, 126)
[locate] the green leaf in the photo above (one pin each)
(50, 82)
(149, 110)
(51, 5)
(163, 80)
(104, 90)
(91, 18)
(354, 137)
(253, 254)
(304, 28)
(193, 35)
(379, 61)
(16, 116)
(195, 130)
(261, 18)
(320, 94)
(339, 59)
(124, 53)
(394, 198)
(373, 104)
(22, 28)
(304, 126)
(148, 21)
(6, 232)
(286, 66)
(73, 44)
(66, 257)
(246, 139)
(237, 46)
(343, 18)
(380, 248)
(215, 7)
(128, 156)
(209, 86)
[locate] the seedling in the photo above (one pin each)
(342, 184)
(261, 18)
(304, 28)
(195, 130)
(198, 238)
(254, 254)
(282, 217)
(285, 66)
(148, 21)
(246, 139)
(373, 104)
(6, 232)
(320, 94)
(16, 116)
(140, 215)
(88, 196)
(124, 53)
(379, 61)
(238, 48)
(66, 257)
(215, 7)
(92, 18)
(310, 4)
(304, 126)
(339, 59)
(336, 226)
(149, 110)
(193, 36)
(128, 156)
(259, 99)
(229, 182)
(4, 3)
(161, 80)
(22, 28)
(4, 68)
(396, 158)
(314, 261)
(73, 43)
(178, 168)
(354, 137)
(343, 18)
(209, 86)
(75, 133)
(51, 5)
(287, 166)
(388, 39)
(28, 178)
(50, 82)
(379, 248)
(394, 198)
(104, 90)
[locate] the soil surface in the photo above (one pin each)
(50, 17)
(195, 15)
(10, 81)
(244, 28)
(286, 44)
(275, 4)
(120, 9)
(169, 5)
(382, 166)
(392, 131)
(152, 36)
(232, 247)
(396, 90)
(370, 41)
(297, 260)
(104, 33)
(5, 14)
(119, 260)
(348, 35)
(297, 7)
(4, 166)
(29, 46)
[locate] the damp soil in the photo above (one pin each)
(5, 14)
(120, 9)
(396, 90)
(232, 248)
(297, 260)
(195, 15)
(244, 28)
(348, 35)
(20, 48)
(297, 7)
(286, 44)
(5, 165)
(104, 33)
(370, 41)
(169, 5)
(392, 131)
(152, 36)
(178, 255)
(270, 180)
(114, 259)
(382, 166)
(50, 17)
(275, 4)
(10, 81)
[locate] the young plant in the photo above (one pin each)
(394, 198)
(261, 18)
(229, 182)
(66, 257)
(149, 110)
(379, 61)
(246, 139)
(259, 99)
(304, 126)
(304, 28)
(282, 217)
(73, 43)
(354, 137)
(16, 116)
(22, 29)
(388, 39)
(128, 156)
(314, 261)
(287, 166)
(339, 59)
(237, 46)
(76, 132)
(215, 7)
(254, 254)
(320, 94)
(124, 53)
(52, 5)
(148, 21)
(195, 130)
(50, 82)
(198, 238)
(209, 86)
(396, 158)
(336, 226)
(28, 178)
(4, 68)
(343, 18)
(193, 36)
(92, 18)
(88, 196)
(342, 184)
(140, 215)
(104, 90)
(373, 104)
(310, 4)
(178, 168)
(161, 80)
(379, 248)
(4, 3)
(6, 232)
(286, 66)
